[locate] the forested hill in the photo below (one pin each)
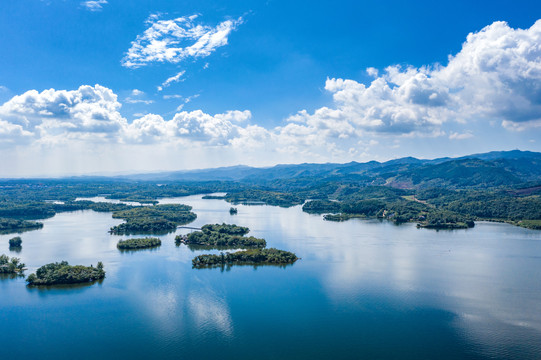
(493, 169)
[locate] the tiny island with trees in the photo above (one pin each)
(11, 265)
(15, 242)
(270, 256)
(140, 243)
(63, 273)
(222, 236)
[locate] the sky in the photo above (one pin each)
(109, 86)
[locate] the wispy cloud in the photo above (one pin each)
(94, 5)
(135, 98)
(130, 100)
(172, 79)
(176, 40)
(460, 136)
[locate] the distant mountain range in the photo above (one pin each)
(497, 168)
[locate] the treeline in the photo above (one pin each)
(321, 207)
(157, 219)
(275, 198)
(43, 210)
(41, 190)
(247, 257)
(64, 273)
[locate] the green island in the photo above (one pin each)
(15, 242)
(9, 226)
(233, 211)
(221, 236)
(62, 273)
(246, 257)
(157, 219)
(140, 243)
(10, 265)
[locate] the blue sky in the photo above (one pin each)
(111, 86)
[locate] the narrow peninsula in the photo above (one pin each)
(9, 226)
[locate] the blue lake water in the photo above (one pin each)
(363, 289)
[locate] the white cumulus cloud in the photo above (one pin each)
(495, 77)
(90, 111)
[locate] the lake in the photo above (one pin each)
(363, 289)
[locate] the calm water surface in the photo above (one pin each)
(363, 289)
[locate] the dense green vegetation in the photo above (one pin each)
(15, 242)
(530, 224)
(341, 217)
(158, 219)
(225, 229)
(395, 205)
(63, 273)
(140, 243)
(321, 206)
(252, 196)
(10, 265)
(247, 257)
(222, 236)
(233, 211)
(442, 219)
(213, 197)
(8, 226)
